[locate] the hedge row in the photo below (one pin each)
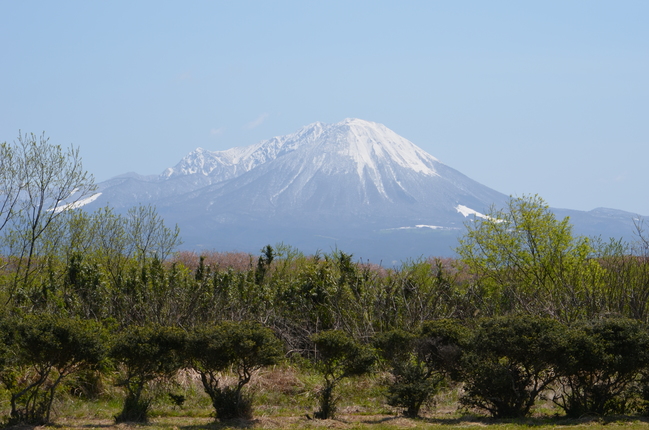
(504, 364)
(507, 363)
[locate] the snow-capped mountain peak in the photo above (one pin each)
(371, 144)
(354, 163)
(235, 161)
(368, 145)
(197, 161)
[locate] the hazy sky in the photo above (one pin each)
(525, 97)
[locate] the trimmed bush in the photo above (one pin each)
(45, 350)
(147, 353)
(599, 364)
(243, 347)
(415, 373)
(509, 364)
(338, 356)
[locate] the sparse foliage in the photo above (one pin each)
(49, 180)
(526, 260)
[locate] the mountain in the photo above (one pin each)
(355, 185)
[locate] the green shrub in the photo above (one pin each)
(445, 343)
(599, 364)
(509, 364)
(338, 356)
(415, 374)
(45, 350)
(243, 347)
(147, 353)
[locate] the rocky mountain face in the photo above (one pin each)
(356, 186)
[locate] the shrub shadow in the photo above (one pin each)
(527, 422)
(239, 423)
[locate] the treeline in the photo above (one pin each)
(527, 310)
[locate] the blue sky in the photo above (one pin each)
(526, 97)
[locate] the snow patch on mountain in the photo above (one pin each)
(423, 226)
(466, 211)
(77, 204)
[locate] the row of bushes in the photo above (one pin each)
(504, 364)
(40, 351)
(507, 363)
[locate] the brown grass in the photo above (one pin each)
(238, 261)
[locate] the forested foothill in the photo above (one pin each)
(102, 307)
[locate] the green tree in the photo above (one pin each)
(264, 263)
(421, 362)
(446, 344)
(302, 302)
(11, 182)
(418, 291)
(147, 235)
(50, 181)
(527, 260)
(83, 289)
(114, 266)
